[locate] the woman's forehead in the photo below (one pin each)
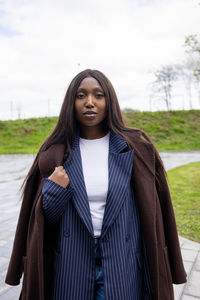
(89, 83)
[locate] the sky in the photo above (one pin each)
(45, 43)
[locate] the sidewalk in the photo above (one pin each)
(191, 258)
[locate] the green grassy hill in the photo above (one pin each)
(174, 130)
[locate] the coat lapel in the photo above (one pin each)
(119, 173)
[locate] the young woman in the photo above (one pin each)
(96, 220)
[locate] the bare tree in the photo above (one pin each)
(197, 82)
(186, 73)
(163, 84)
(192, 45)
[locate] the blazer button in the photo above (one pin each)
(66, 234)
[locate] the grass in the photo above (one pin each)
(24, 136)
(184, 183)
(174, 130)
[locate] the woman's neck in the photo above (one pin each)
(91, 133)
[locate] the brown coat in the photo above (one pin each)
(156, 215)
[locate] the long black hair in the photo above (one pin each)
(66, 126)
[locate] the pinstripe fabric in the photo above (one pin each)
(60, 196)
(125, 267)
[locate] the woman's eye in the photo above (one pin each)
(80, 96)
(99, 95)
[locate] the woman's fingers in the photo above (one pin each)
(60, 176)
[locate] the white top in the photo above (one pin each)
(94, 155)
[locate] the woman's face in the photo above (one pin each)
(90, 103)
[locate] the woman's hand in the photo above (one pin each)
(60, 177)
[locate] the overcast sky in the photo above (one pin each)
(45, 43)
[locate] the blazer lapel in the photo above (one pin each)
(80, 198)
(119, 173)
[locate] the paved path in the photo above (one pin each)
(10, 205)
(191, 258)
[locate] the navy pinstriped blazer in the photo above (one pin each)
(125, 266)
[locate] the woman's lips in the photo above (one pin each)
(90, 116)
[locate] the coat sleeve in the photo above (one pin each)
(31, 196)
(55, 199)
(169, 223)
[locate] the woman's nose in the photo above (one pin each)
(89, 102)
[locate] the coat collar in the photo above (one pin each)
(55, 155)
(116, 143)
